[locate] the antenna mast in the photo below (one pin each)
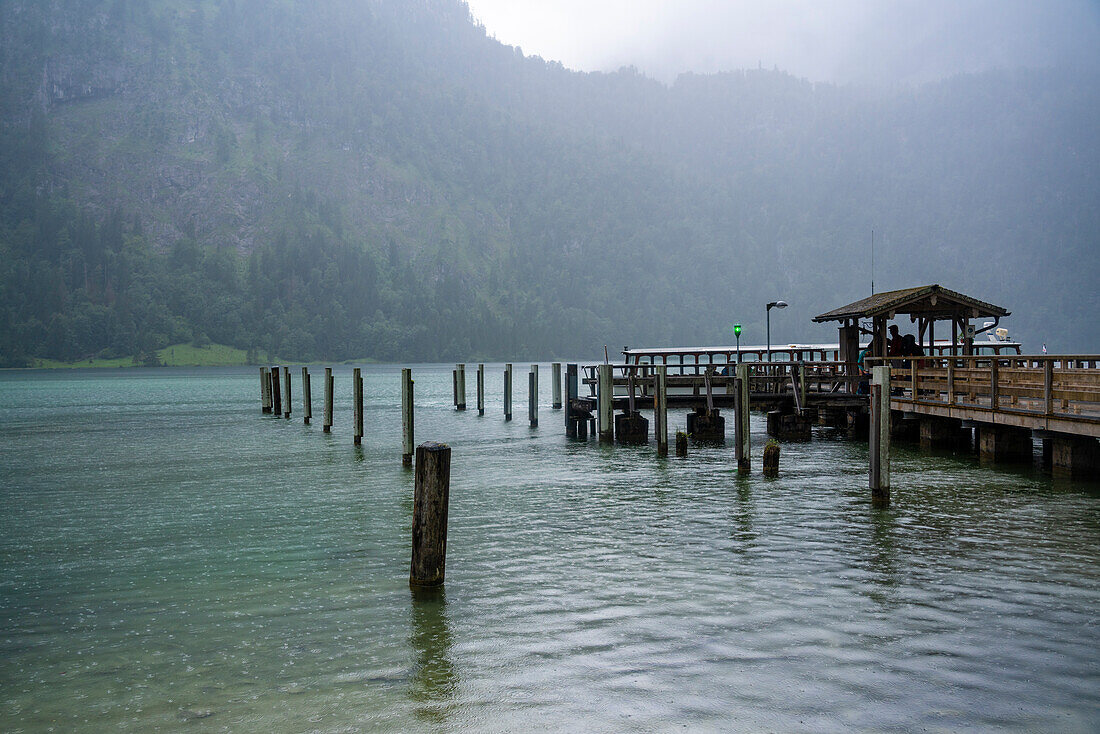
(872, 262)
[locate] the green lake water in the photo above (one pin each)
(172, 560)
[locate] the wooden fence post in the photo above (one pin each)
(357, 404)
(328, 400)
(431, 496)
(508, 392)
(555, 385)
(307, 397)
(533, 396)
(406, 417)
(879, 480)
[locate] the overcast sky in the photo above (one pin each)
(824, 40)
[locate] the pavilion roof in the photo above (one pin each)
(927, 300)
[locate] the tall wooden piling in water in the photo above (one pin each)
(508, 392)
(555, 385)
(681, 443)
(660, 409)
(431, 496)
(328, 400)
(571, 392)
(276, 392)
(879, 479)
(533, 395)
(460, 389)
(481, 389)
(307, 397)
(743, 450)
(406, 417)
(286, 396)
(605, 402)
(265, 390)
(357, 404)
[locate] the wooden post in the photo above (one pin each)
(993, 391)
(286, 397)
(1048, 386)
(572, 426)
(880, 436)
(406, 417)
(771, 458)
(328, 400)
(681, 443)
(605, 402)
(431, 496)
(357, 405)
(660, 410)
(265, 390)
(307, 397)
(460, 402)
(481, 389)
(454, 387)
(743, 451)
(533, 395)
(555, 385)
(802, 384)
(508, 392)
(951, 382)
(276, 392)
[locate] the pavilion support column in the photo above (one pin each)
(1004, 444)
(1075, 457)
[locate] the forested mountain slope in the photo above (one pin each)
(337, 178)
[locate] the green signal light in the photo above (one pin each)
(737, 329)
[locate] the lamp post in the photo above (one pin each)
(737, 336)
(768, 311)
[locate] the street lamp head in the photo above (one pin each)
(777, 304)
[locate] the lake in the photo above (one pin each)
(173, 560)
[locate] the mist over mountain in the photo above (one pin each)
(340, 179)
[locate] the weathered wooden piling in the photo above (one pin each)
(460, 399)
(879, 479)
(357, 405)
(508, 392)
(454, 387)
(605, 402)
(660, 410)
(771, 458)
(631, 427)
(706, 423)
(743, 451)
(328, 400)
(307, 397)
(286, 396)
(533, 395)
(555, 385)
(265, 390)
(681, 443)
(276, 392)
(573, 419)
(431, 495)
(406, 417)
(481, 389)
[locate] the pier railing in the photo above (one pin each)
(1062, 388)
(801, 379)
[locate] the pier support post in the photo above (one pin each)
(265, 390)
(1004, 444)
(481, 389)
(605, 404)
(307, 397)
(787, 426)
(276, 392)
(460, 399)
(555, 385)
(880, 437)
(508, 392)
(533, 396)
(571, 392)
(631, 427)
(327, 420)
(939, 433)
(660, 410)
(357, 405)
(431, 496)
(286, 396)
(681, 443)
(1075, 457)
(743, 451)
(771, 459)
(406, 417)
